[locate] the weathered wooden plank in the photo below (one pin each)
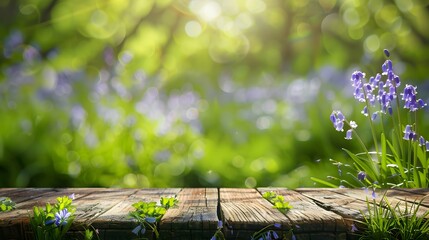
(345, 206)
(11, 192)
(317, 212)
(245, 211)
(394, 197)
(97, 202)
(117, 216)
(14, 224)
(115, 223)
(195, 217)
(306, 216)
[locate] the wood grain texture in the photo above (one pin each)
(317, 213)
(245, 211)
(306, 215)
(196, 215)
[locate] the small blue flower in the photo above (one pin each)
(354, 228)
(421, 141)
(408, 133)
(219, 224)
(349, 134)
(386, 52)
(49, 222)
(374, 195)
(410, 98)
(72, 196)
(361, 175)
(374, 116)
(337, 118)
(150, 219)
(365, 111)
(277, 225)
(139, 229)
(61, 217)
(275, 235)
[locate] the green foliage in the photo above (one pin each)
(278, 201)
(6, 204)
(401, 221)
(53, 222)
(397, 156)
(88, 235)
(148, 214)
(151, 94)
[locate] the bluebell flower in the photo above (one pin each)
(410, 98)
(421, 141)
(139, 229)
(337, 119)
(373, 194)
(219, 224)
(386, 52)
(277, 225)
(349, 134)
(61, 217)
(72, 196)
(365, 111)
(387, 67)
(49, 222)
(150, 219)
(354, 228)
(427, 146)
(275, 235)
(361, 175)
(408, 133)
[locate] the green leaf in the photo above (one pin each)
(323, 182)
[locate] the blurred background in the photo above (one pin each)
(187, 93)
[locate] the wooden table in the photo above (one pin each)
(317, 213)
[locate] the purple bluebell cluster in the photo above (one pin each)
(411, 135)
(376, 90)
(382, 91)
(338, 119)
(411, 102)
